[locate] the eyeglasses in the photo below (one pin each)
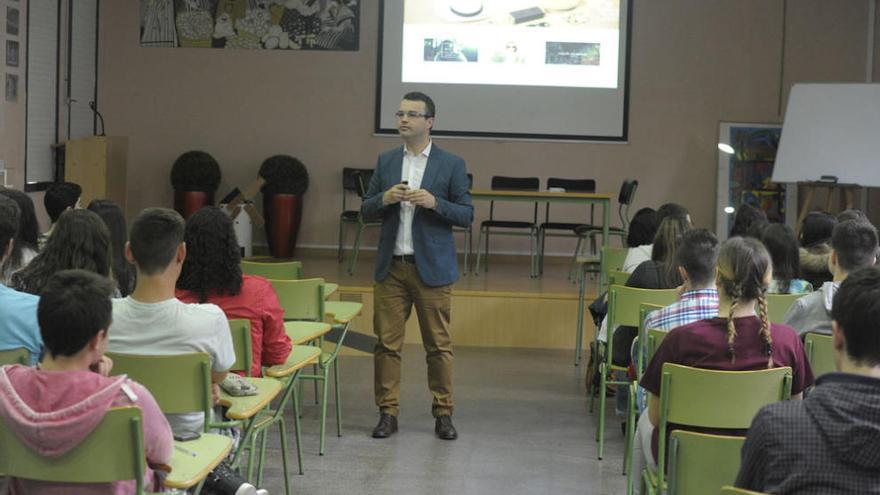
(411, 114)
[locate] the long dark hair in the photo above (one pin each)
(114, 219)
(742, 267)
(213, 258)
(780, 241)
(666, 245)
(28, 231)
(79, 240)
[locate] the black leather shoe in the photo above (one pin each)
(387, 426)
(444, 429)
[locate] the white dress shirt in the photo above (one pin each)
(412, 171)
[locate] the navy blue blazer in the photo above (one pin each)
(446, 178)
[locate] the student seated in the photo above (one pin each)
(746, 215)
(114, 218)
(853, 246)
(640, 238)
(829, 442)
(152, 321)
(59, 197)
(212, 274)
(781, 243)
(737, 341)
(81, 241)
(815, 242)
(18, 310)
(53, 408)
(25, 247)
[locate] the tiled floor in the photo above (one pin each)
(523, 428)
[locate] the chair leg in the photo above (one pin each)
(591, 372)
(341, 241)
(283, 436)
(252, 455)
(486, 252)
(298, 435)
(577, 252)
(315, 372)
(262, 458)
(338, 397)
(533, 251)
(479, 252)
(324, 373)
(356, 249)
(467, 250)
(600, 431)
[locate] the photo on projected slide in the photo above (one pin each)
(572, 53)
(559, 43)
(448, 50)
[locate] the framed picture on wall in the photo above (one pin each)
(746, 155)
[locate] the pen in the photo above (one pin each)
(185, 451)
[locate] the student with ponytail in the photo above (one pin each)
(740, 338)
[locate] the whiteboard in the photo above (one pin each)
(831, 129)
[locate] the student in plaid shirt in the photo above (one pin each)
(827, 443)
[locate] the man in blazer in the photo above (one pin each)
(419, 192)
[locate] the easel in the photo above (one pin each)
(847, 197)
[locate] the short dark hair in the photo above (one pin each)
(855, 243)
(817, 228)
(155, 235)
(746, 214)
(430, 109)
(856, 309)
(74, 306)
(671, 210)
(9, 218)
(698, 254)
(852, 214)
(59, 197)
(642, 228)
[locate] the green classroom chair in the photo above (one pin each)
(113, 451)
(711, 399)
(732, 490)
(304, 300)
(15, 356)
(623, 309)
(820, 353)
(180, 384)
(778, 304)
(700, 463)
(616, 277)
(277, 270)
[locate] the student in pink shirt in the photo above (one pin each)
(54, 407)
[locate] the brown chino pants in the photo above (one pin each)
(393, 299)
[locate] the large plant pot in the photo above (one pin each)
(283, 214)
(188, 202)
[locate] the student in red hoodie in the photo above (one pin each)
(212, 274)
(54, 407)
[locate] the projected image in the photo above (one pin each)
(561, 43)
(448, 50)
(561, 53)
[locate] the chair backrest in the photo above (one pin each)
(611, 259)
(617, 277)
(363, 177)
(242, 344)
(643, 342)
(284, 270)
(573, 185)
(514, 184)
(113, 451)
(820, 353)
(180, 383)
(778, 304)
(15, 356)
(653, 340)
(301, 299)
(701, 463)
(625, 198)
(350, 177)
(623, 303)
(716, 399)
(732, 490)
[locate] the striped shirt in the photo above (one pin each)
(694, 305)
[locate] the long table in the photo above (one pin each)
(602, 199)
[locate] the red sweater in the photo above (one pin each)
(258, 303)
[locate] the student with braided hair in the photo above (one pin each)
(741, 338)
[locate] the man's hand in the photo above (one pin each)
(102, 366)
(423, 198)
(396, 194)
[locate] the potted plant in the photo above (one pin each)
(286, 181)
(195, 177)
